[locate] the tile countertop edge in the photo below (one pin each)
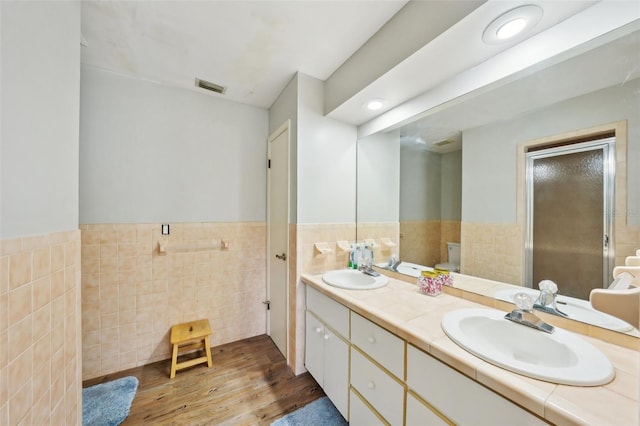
(535, 397)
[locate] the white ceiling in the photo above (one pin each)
(612, 60)
(254, 48)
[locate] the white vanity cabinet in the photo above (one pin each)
(327, 347)
(374, 377)
(459, 398)
(377, 369)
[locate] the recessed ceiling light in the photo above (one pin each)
(512, 23)
(511, 28)
(375, 104)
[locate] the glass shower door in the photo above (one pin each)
(569, 231)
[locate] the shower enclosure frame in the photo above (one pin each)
(607, 145)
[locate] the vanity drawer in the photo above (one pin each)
(329, 311)
(420, 414)
(360, 414)
(458, 397)
(386, 348)
(384, 393)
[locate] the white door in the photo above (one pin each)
(278, 237)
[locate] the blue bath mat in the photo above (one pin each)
(320, 412)
(108, 404)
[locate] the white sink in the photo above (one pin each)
(576, 309)
(561, 357)
(354, 280)
(412, 269)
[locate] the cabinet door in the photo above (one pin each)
(314, 350)
(336, 372)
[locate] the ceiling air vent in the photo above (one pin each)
(442, 143)
(210, 86)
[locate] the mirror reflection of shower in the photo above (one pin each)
(569, 233)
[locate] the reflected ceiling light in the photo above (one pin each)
(512, 23)
(375, 104)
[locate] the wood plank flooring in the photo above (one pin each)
(249, 384)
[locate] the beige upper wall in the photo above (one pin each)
(489, 153)
(40, 93)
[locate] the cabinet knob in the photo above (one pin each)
(318, 330)
(371, 339)
(371, 385)
(326, 337)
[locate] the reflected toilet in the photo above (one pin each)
(453, 258)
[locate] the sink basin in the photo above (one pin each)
(354, 280)
(407, 268)
(580, 310)
(411, 269)
(561, 357)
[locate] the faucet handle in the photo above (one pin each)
(523, 301)
(548, 285)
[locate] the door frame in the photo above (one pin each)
(607, 145)
(284, 127)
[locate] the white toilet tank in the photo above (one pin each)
(453, 261)
(454, 253)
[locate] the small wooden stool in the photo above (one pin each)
(187, 336)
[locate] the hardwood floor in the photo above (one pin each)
(249, 384)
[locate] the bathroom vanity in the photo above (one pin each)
(384, 359)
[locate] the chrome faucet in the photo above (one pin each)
(394, 263)
(524, 315)
(365, 264)
(546, 301)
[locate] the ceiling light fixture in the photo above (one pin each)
(512, 23)
(375, 104)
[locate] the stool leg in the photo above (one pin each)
(207, 348)
(174, 361)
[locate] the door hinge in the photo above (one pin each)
(268, 303)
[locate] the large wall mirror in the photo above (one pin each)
(456, 173)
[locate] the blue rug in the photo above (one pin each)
(320, 412)
(108, 404)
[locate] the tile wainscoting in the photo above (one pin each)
(425, 242)
(40, 338)
(494, 250)
(132, 293)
